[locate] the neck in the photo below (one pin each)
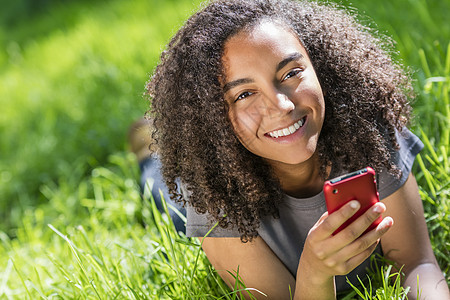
(300, 180)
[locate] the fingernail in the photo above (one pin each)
(389, 222)
(377, 209)
(386, 224)
(354, 204)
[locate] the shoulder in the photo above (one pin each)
(202, 225)
(403, 158)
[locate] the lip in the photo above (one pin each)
(291, 137)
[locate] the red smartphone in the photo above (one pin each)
(359, 185)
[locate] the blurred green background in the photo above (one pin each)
(72, 75)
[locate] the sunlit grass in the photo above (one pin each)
(118, 247)
(434, 176)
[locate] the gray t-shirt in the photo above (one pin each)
(286, 235)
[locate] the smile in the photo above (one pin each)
(288, 130)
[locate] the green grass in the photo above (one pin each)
(74, 224)
(388, 283)
(71, 84)
(434, 166)
(121, 247)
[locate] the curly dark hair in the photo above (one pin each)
(366, 99)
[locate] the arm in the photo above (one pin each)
(408, 244)
(259, 267)
(323, 256)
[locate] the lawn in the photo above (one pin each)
(72, 76)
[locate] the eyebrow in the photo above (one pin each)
(235, 83)
(292, 57)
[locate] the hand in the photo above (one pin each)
(325, 255)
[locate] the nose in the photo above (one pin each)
(276, 104)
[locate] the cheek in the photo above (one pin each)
(245, 125)
(244, 119)
(322, 105)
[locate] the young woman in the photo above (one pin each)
(255, 105)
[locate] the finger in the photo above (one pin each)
(317, 224)
(337, 218)
(356, 260)
(349, 242)
(321, 219)
(359, 226)
(364, 242)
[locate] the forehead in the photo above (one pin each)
(267, 30)
(259, 44)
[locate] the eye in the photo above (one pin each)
(243, 95)
(292, 73)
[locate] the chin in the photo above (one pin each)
(295, 159)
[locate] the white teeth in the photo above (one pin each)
(287, 131)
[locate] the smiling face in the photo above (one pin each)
(276, 104)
